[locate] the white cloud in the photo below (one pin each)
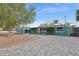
(77, 4)
(36, 24)
(54, 10)
(57, 4)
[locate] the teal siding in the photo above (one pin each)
(62, 33)
(51, 31)
(43, 31)
(20, 30)
(32, 31)
(46, 31)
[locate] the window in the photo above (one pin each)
(59, 29)
(43, 29)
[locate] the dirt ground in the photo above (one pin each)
(7, 40)
(38, 45)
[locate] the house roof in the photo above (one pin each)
(51, 25)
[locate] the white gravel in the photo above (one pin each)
(45, 46)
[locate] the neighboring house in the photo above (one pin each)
(22, 29)
(75, 31)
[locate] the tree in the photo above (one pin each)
(28, 16)
(55, 22)
(13, 14)
(44, 25)
(70, 25)
(77, 15)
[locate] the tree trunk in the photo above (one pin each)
(10, 33)
(10, 30)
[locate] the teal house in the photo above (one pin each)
(60, 30)
(57, 30)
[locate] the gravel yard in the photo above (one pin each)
(44, 45)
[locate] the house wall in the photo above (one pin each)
(51, 31)
(65, 32)
(33, 30)
(20, 30)
(45, 31)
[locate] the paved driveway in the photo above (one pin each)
(45, 46)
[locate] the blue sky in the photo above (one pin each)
(48, 12)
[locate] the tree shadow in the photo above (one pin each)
(4, 34)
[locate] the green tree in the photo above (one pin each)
(13, 14)
(28, 16)
(77, 15)
(55, 22)
(69, 25)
